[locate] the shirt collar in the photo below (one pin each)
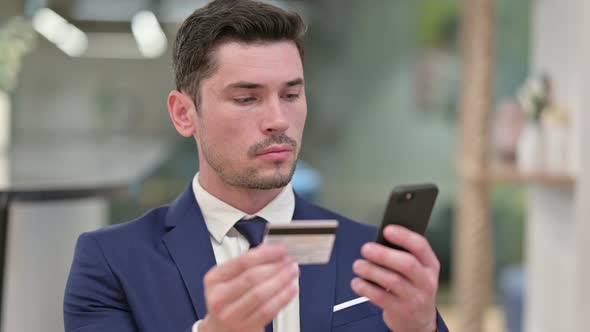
(220, 217)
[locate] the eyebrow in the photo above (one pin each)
(297, 81)
(252, 85)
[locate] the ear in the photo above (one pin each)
(181, 109)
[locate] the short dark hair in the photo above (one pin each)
(221, 20)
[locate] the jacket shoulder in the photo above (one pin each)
(144, 228)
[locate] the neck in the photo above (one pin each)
(246, 200)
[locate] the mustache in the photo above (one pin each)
(277, 139)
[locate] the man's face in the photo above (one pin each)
(251, 115)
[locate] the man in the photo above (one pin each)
(187, 266)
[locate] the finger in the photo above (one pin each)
(222, 293)
(391, 281)
(400, 262)
(414, 243)
(272, 308)
(260, 295)
(374, 293)
(262, 254)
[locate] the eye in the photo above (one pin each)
(291, 96)
(245, 100)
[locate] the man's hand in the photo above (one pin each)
(409, 280)
(247, 292)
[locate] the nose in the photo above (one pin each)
(274, 119)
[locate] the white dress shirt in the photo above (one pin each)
(228, 243)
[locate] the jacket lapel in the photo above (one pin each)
(316, 283)
(189, 244)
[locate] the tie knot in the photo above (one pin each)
(252, 229)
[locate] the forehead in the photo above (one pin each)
(263, 61)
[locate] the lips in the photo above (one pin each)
(276, 148)
(276, 152)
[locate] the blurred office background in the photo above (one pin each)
(383, 81)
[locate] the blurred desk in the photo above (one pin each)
(60, 190)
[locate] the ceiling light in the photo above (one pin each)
(148, 34)
(60, 32)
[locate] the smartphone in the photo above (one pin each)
(409, 206)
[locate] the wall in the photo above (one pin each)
(558, 223)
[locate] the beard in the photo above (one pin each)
(251, 177)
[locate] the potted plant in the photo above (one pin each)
(534, 98)
(17, 37)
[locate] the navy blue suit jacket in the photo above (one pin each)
(147, 275)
